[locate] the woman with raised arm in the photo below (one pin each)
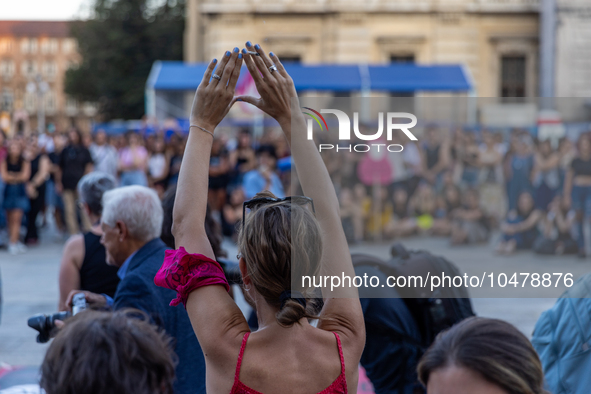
(286, 354)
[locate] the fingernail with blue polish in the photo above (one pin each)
(214, 60)
(244, 51)
(238, 99)
(271, 54)
(248, 44)
(239, 56)
(227, 53)
(257, 46)
(235, 49)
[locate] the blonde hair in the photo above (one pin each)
(278, 240)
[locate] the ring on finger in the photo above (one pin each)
(215, 76)
(272, 68)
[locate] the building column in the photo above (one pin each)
(547, 51)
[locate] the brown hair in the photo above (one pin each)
(109, 353)
(493, 348)
(279, 240)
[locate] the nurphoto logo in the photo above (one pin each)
(345, 130)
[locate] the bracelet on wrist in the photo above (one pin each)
(201, 128)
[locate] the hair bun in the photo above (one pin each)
(292, 295)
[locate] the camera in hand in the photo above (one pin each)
(45, 324)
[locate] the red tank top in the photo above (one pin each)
(339, 386)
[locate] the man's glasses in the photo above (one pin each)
(257, 202)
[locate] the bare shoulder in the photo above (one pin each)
(305, 357)
(345, 318)
(74, 249)
(74, 242)
(221, 363)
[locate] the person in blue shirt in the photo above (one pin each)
(132, 224)
(264, 176)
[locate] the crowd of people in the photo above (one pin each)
(41, 174)
(462, 185)
(287, 353)
(467, 185)
(146, 215)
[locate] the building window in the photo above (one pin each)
(5, 45)
(50, 69)
(396, 102)
(68, 45)
(45, 46)
(30, 102)
(53, 45)
(7, 68)
(290, 58)
(513, 76)
(49, 45)
(50, 102)
(7, 99)
(402, 58)
(29, 45)
(29, 68)
(33, 45)
(25, 45)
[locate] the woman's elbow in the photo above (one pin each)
(177, 225)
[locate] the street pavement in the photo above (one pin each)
(30, 286)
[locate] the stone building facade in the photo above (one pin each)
(573, 49)
(496, 40)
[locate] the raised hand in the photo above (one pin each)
(213, 97)
(275, 86)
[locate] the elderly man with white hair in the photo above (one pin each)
(131, 223)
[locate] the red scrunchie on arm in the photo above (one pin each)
(184, 272)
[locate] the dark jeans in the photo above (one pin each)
(37, 205)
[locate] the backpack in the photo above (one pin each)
(562, 338)
(432, 311)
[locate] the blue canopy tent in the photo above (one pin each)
(170, 75)
(171, 84)
(412, 78)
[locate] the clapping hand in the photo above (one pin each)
(215, 93)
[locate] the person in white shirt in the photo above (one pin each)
(158, 164)
(103, 154)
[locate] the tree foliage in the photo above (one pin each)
(118, 46)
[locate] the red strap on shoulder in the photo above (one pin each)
(340, 353)
(240, 355)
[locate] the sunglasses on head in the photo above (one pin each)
(256, 202)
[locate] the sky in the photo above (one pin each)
(42, 9)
